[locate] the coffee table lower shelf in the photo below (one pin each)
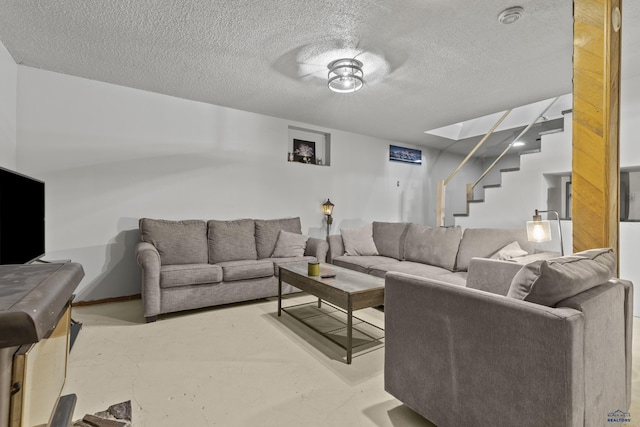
(334, 323)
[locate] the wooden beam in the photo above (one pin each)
(596, 124)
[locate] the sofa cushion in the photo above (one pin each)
(389, 238)
(362, 263)
(231, 240)
(512, 250)
(359, 241)
(548, 282)
(289, 245)
(435, 246)
(484, 242)
(408, 267)
(246, 269)
(178, 242)
(172, 276)
(266, 232)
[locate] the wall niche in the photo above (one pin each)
(559, 194)
(308, 146)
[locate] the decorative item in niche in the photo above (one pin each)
(407, 155)
(304, 151)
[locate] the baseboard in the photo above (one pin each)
(106, 300)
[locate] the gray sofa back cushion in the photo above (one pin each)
(484, 242)
(231, 240)
(266, 232)
(178, 242)
(389, 238)
(434, 246)
(548, 282)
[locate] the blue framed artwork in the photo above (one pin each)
(406, 155)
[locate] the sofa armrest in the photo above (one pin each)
(491, 275)
(336, 247)
(462, 356)
(148, 258)
(608, 309)
(317, 248)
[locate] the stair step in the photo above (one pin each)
(533, 151)
(476, 201)
(460, 214)
(492, 186)
(510, 170)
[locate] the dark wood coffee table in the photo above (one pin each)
(349, 290)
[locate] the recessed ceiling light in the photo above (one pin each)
(510, 15)
(518, 144)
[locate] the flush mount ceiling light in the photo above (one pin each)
(518, 143)
(345, 75)
(510, 15)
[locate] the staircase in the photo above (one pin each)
(522, 189)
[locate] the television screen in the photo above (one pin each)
(21, 218)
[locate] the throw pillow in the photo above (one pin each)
(358, 241)
(484, 242)
(289, 245)
(267, 233)
(512, 250)
(548, 282)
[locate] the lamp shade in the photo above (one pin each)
(327, 207)
(539, 231)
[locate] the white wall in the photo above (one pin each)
(110, 155)
(523, 191)
(629, 116)
(8, 90)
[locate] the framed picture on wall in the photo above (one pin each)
(406, 155)
(304, 151)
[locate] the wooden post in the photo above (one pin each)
(440, 213)
(596, 124)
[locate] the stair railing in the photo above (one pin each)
(470, 187)
(442, 185)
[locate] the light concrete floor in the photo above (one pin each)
(237, 365)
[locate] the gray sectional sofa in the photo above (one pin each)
(442, 253)
(544, 344)
(193, 264)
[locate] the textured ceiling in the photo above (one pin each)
(427, 63)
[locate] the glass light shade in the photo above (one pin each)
(539, 231)
(327, 207)
(345, 75)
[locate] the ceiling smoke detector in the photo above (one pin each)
(510, 15)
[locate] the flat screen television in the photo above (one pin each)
(21, 218)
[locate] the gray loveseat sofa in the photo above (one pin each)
(193, 264)
(545, 344)
(444, 253)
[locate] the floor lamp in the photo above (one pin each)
(539, 230)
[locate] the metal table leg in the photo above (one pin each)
(279, 294)
(349, 332)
